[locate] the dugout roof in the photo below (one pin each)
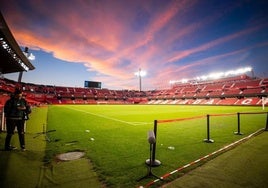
(12, 59)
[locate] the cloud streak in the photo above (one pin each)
(112, 39)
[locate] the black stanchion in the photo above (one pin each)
(154, 161)
(150, 162)
(238, 125)
(266, 128)
(208, 140)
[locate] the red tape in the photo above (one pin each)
(205, 157)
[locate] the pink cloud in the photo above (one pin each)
(212, 44)
(101, 37)
(190, 70)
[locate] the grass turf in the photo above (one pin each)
(21, 169)
(244, 166)
(32, 169)
(114, 138)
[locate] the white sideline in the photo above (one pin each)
(107, 117)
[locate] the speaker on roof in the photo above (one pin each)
(26, 50)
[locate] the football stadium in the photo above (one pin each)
(199, 133)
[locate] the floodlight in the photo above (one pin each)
(140, 74)
(204, 77)
(184, 80)
(228, 73)
(217, 75)
(238, 71)
(31, 57)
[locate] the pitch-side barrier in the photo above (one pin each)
(207, 140)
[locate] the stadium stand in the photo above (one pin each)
(213, 87)
(237, 92)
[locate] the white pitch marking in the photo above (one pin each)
(107, 117)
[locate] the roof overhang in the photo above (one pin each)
(12, 59)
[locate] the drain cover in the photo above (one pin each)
(70, 156)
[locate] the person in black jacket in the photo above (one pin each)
(15, 110)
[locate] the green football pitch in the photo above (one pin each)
(115, 137)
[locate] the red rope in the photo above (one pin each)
(197, 117)
(205, 157)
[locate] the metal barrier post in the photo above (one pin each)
(3, 121)
(238, 125)
(266, 128)
(155, 162)
(208, 140)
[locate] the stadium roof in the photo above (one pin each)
(12, 57)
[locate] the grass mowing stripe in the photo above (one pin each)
(109, 118)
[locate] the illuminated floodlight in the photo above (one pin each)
(229, 73)
(204, 77)
(12, 53)
(140, 74)
(216, 75)
(238, 71)
(226, 74)
(184, 80)
(31, 57)
(172, 81)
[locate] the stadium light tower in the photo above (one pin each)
(140, 74)
(29, 56)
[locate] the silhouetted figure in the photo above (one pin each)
(16, 112)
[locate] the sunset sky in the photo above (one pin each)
(109, 40)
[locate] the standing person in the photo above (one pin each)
(15, 111)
